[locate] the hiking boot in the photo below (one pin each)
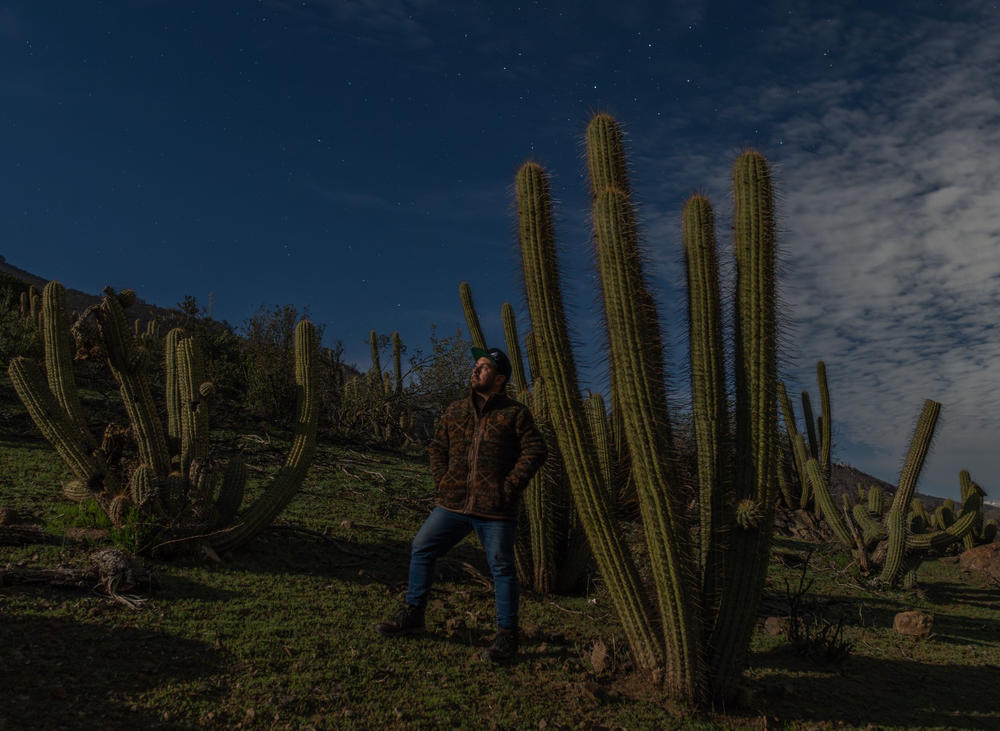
(504, 647)
(407, 621)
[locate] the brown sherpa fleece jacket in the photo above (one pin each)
(482, 458)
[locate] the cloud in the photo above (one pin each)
(893, 214)
(384, 22)
(10, 25)
(889, 193)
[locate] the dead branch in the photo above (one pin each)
(109, 572)
(22, 535)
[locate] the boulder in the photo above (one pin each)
(985, 559)
(776, 625)
(913, 623)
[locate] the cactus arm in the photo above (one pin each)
(173, 390)
(606, 161)
(919, 447)
(130, 374)
(892, 569)
(825, 422)
(553, 353)
(871, 529)
(59, 359)
(230, 497)
(471, 318)
(597, 419)
(540, 498)
(807, 414)
(824, 500)
(194, 410)
(968, 488)
(794, 440)
(708, 383)
(53, 422)
(289, 479)
(941, 538)
(518, 378)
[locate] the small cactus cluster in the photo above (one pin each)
(174, 482)
(890, 541)
(373, 405)
(693, 627)
(31, 307)
(551, 552)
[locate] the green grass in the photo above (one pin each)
(280, 634)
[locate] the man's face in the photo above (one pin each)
(485, 378)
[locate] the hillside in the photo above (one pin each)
(79, 301)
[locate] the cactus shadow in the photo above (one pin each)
(381, 559)
(61, 673)
(949, 592)
(175, 586)
(897, 693)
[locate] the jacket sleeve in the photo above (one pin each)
(533, 452)
(438, 450)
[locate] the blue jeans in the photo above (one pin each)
(439, 534)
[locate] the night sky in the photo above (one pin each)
(356, 158)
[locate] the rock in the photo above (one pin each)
(599, 657)
(913, 623)
(985, 559)
(776, 625)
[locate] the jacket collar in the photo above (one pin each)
(491, 402)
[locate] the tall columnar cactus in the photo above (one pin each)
(700, 646)
(375, 375)
(397, 364)
(755, 367)
(172, 484)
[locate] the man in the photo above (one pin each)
(483, 453)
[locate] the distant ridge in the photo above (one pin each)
(845, 478)
(79, 301)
